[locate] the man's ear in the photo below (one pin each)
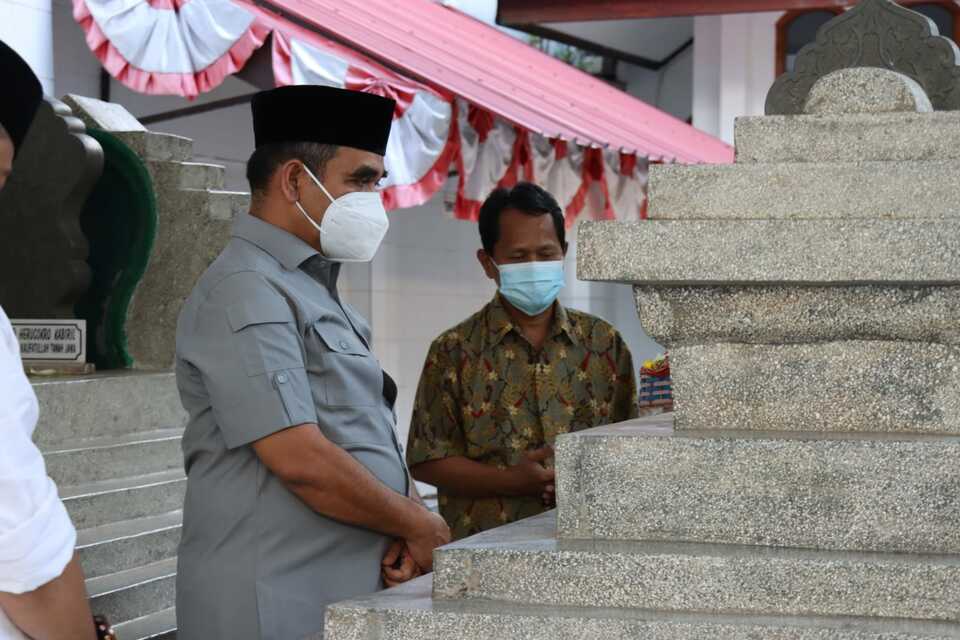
(289, 174)
(488, 265)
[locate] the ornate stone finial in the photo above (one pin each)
(876, 33)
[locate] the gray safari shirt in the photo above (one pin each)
(264, 343)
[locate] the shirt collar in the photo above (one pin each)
(499, 323)
(286, 248)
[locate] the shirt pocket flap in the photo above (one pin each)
(247, 313)
(339, 339)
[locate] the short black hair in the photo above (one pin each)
(526, 197)
(268, 158)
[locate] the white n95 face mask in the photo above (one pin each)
(353, 226)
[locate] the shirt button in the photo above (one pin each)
(282, 378)
(344, 344)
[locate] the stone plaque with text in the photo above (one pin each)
(52, 341)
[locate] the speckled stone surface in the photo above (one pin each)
(641, 480)
(194, 226)
(771, 315)
(408, 613)
(105, 404)
(731, 252)
(849, 138)
(98, 114)
(852, 386)
(524, 563)
(866, 90)
(158, 147)
(805, 191)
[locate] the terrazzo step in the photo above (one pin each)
(814, 190)
(408, 613)
(524, 563)
(157, 147)
(836, 386)
(129, 544)
(849, 137)
(135, 593)
(103, 405)
(218, 205)
(108, 501)
(161, 625)
(93, 459)
(642, 480)
(186, 175)
(787, 253)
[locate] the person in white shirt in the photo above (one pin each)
(42, 594)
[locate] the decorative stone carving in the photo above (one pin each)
(876, 33)
(193, 221)
(43, 268)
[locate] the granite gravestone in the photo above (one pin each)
(43, 251)
(807, 486)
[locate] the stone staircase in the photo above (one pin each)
(112, 445)
(675, 535)
(111, 441)
(195, 218)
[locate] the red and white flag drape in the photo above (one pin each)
(187, 47)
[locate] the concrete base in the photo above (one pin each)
(641, 480)
(826, 190)
(408, 613)
(788, 315)
(849, 138)
(105, 405)
(524, 563)
(781, 253)
(848, 386)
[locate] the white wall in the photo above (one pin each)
(733, 68)
(26, 26)
(669, 89)
(76, 69)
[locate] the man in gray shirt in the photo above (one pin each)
(297, 493)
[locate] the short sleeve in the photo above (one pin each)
(36, 536)
(436, 430)
(625, 399)
(244, 342)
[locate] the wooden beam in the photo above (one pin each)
(587, 45)
(524, 12)
(196, 110)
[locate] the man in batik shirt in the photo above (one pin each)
(497, 389)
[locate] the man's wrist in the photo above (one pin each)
(509, 487)
(413, 519)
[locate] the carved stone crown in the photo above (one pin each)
(876, 33)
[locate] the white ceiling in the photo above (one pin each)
(654, 38)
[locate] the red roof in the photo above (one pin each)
(456, 53)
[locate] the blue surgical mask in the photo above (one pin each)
(531, 287)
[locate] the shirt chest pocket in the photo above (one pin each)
(265, 335)
(348, 374)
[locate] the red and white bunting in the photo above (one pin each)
(185, 47)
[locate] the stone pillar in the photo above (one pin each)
(27, 27)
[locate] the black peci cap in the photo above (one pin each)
(312, 113)
(22, 95)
